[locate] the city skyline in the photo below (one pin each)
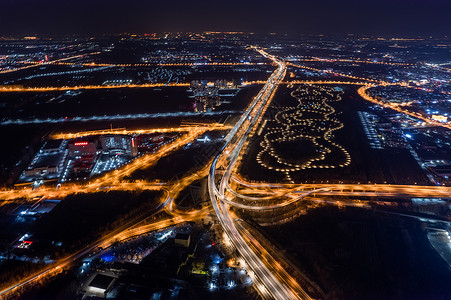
(50, 17)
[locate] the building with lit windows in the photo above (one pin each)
(124, 143)
(81, 147)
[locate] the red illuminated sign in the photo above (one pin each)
(24, 245)
(81, 143)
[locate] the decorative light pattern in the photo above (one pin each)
(311, 120)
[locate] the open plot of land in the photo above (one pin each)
(62, 105)
(173, 166)
(355, 254)
(390, 165)
(79, 219)
(19, 145)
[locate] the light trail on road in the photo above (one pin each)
(333, 60)
(9, 89)
(116, 236)
(37, 64)
(350, 189)
(229, 154)
(121, 234)
(111, 180)
(363, 93)
(211, 127)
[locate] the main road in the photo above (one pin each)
(135, 227)
(275, 286)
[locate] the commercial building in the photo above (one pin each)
(182, 239)
(83, 155)
(99, 284)
(48, 162)
(82, 148)
(53, 146)
(149, 141)
(440, 118)
(119, 142)
(45, 166)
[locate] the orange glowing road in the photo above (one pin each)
(337, 73)
(144, 229)
(271, 262)
(179, 186)
(26, 192)
(333, 60)
(363, 93)
(19, 89)
(373, 190)
(112, 180)
(8, 89)
(37, 64)
(120, 235)
(337, 82)
(235, 140)
(211, 127)
(139, 226)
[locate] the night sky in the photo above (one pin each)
(398, 17)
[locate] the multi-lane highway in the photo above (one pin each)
(135, 227)
(275, 286)
(343, 189)
(112, 180)
(223, 197)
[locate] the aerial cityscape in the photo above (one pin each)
(177, 156)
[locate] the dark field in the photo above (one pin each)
(18, 147)
(176, 165)
(59, 105)
(394, 165)
(74, 223)
(81, 218)
(22, 141)
(357, 254)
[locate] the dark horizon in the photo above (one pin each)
(160, 150)
(52, 17)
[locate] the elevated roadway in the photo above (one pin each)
(276, 285)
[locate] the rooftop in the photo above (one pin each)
(101, 281)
